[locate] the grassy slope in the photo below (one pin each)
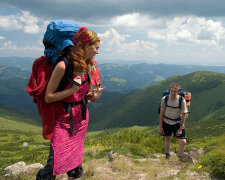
(17, 121)
(211, 125)
(130, 144)
(135, 142)
(12, 125)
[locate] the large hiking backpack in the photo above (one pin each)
(182, 95)
(59, 35)
(57, 38)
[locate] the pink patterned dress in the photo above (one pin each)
(68, 148)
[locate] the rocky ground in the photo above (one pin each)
(119, 167)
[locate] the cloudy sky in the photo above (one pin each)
(154, 31)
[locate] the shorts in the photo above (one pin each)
(169, 129)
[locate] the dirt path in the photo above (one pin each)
(126, 168)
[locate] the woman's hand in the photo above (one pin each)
(75, 88)
(96, 93)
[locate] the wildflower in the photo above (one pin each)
(200, 166)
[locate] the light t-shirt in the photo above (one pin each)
(173, 113)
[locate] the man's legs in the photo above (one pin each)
(182, 143)
(167, 144)
(167, 135)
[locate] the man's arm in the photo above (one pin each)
(183, 118)
(161, 116)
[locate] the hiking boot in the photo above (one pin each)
(75, 173)
(167, 155)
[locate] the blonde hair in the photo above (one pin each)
(175, 86)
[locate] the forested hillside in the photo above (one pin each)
(140, 107)
(120, 105)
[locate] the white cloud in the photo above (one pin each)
(22, 21)
(10, 22)
(136, 47)
(28, 19)
(137, 21)
(1, 37)
(32, 29)
(183, 34)
(116, 45)
(182, 29)
(127, 20)
(156, 36)
(194, 30)
(30, 22)
(10, 47)
(188, 38)
(112, 33)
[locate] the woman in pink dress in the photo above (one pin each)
(66, 149)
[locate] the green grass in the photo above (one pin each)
(18, 126)
(135, 142)
(12, 119)
(12, 150)
(213, 160)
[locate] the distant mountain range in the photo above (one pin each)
(131, 92)
(122, 78)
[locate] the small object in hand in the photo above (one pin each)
(89, 95)
(96, 93)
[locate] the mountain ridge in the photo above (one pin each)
(140, 107)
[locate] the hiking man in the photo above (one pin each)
(172, 118)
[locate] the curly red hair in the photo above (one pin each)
(82, 39)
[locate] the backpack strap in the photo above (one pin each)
(180, 101)
(177, 119)
(166, 100)
(68, 75)
(68, 108)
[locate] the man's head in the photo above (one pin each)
(174, 89)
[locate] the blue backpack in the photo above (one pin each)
(59, 35)
(57, 40)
